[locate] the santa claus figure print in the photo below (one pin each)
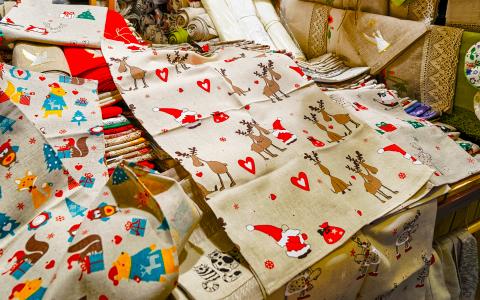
(290, 239)
(282, 134)
(184, 117)
(395, 148)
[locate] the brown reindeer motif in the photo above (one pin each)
(260, 143)
(135, 72)
(333, 136)
(178, 60)
(215, 166)
(271, 86)
(339, 186)
(342, 119)
(236, 90)
(372, 184)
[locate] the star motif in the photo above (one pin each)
(106, 194)
(236, 206)
(20, 206)
(62, 131)
(334, 231)
(84, 232)
(142, 198)
(223, 139)
(394, 232)
(32, 140)
(330, 240)
(352, 252)
(471, 160)
(8, 175)
(50, 236)
(437, 147)
(93, 148)
(59, 218)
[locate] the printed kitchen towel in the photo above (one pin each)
(415, 10)
(379, 7)
(414, 139)
(66, 25)
(65, 110)
(216, 118)
(40, 58)
(463, 14)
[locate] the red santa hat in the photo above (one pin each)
(281, 133)
(396, 148)
(5, 145)
(17, 289)
(54, 85)
(275, 232)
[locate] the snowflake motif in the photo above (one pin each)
(269, 264)
(8, 175)
(93, 148)
(142, 198)
(236, 206)
(437, 147)
(394, 232)
(93, 113)
(84, 232)
(50, 236)
(32, 140)
(352, 252)
(106, 194)
(402, 175)
(59, 218)
(62, 131)
(164, 130)
(471, 160)
(319, 180)
(223, 139)
(20, 206)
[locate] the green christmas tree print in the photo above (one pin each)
(6, 124)
(74, 208)
(51, 158)
(78, 117)
(119, 176)
(86, 15)
(7, 225)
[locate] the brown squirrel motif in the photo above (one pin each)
(34, 251)
(91, 244)
(78, 148)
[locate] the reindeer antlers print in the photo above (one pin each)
(313, 157)
(356, 163)
(249, 128)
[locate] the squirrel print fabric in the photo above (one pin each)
(249, 162)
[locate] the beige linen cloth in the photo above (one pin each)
(361, 38)
(286, 199)
(225, 23)
(40, 58)
(463, 14)
(275, 29)
(66, 25)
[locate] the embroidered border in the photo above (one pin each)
(317, 39)
(439, 67)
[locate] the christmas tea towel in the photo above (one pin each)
(414, 139)
(292, 185)
(66, 25)
(66, 112)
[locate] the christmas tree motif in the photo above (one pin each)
(7, 225)
(51, 158)
(6, 124)
(164, 225)
(75, 209)
(78, 117)
(119, 176)
(72, 183)
(86, 15)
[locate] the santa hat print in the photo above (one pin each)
(396, 148)
(281, 133)
(54, 85)
(273, 231)
(185, 117)
(171, 111)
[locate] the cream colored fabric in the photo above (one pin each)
(200, 118)
(226, 24)
(416, 10)
(463, 14)
(201, 28)
(40, 58)
(379, 7)
(79, 25)
(416, 137)
(244, 12)
(280, 37)
(185, 15)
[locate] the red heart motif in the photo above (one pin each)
(20, 72)
(58, 193)
(298, 70)
(301, 181)
(180, 90)
(247, 107)
(199, 174)
(162, 74)
(75, 92)
(353, 177)
(119, 77)
(273, 196)
(204, 85)
(20, 117)
(50, 264)
(117, 239)
(134, 48)
(330, 126)
(296, 85)
(359, 212)
(248, 164)
(78, 167)
(42, 78)
(256, 82)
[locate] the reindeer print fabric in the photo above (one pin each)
(414, 139)
(280, 162)
(66, 25)
(69, 117)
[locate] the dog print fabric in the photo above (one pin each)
(259, 182)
